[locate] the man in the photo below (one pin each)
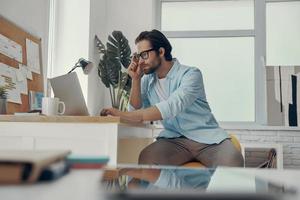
(163, 89)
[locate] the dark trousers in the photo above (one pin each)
(177, 151)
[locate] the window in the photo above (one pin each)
(218, 38)
(207, 15)
(230, 95)
(283, 33)
(67, 42)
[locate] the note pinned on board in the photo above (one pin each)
(19, 74)
(33, 56)
(25, 71)
(21, 80)
(11, 49)
(8, 74)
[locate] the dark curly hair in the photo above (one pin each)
(157, 40)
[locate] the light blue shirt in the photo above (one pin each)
(186, 111)
(184, 179)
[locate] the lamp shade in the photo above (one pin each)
(85, 65)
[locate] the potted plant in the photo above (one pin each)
(114, 60)
(3, 100)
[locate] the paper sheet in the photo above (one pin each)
(298, 98)
(11, 49)
(25, 71)
(33, 56)
(277, 83)
(2, 81)
(286, 82)
(8, 74)
(21, 80)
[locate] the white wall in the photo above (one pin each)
(33, 17)
(106, 16)
(131, 17)
(71, 35)
(98, 23)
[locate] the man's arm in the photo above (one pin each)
(190, 89)
(148, 114)
(135, 94)
(135, 72)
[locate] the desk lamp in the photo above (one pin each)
(84, 64)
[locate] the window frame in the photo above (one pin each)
(259, 35)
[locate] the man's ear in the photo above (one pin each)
(161, 52)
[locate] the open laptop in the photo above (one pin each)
(67, 88)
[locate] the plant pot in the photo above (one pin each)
(3, 106)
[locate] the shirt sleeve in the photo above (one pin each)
(191, 88)
(144, 97)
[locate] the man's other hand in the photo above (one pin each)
(110, 111)
(134, 69)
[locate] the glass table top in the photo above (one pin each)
(164, 181)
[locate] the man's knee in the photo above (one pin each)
(233, 160)
(237, 160)
(147, 156)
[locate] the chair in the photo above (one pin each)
(194, 164)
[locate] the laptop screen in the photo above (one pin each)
(67, 88)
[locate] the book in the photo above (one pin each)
(87, 166)
(54, 171)
(87, 162)
(26, 114)
(26, 166)
(35, 100)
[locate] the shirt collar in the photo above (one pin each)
(172, 73)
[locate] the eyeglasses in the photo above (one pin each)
(144, 54)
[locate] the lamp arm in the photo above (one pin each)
(75, 66)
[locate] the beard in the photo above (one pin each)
(153, 67)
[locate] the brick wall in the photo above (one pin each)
(289, 139)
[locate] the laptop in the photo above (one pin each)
(67, 88)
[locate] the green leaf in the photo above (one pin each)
(3, 92)
(103, 72)
(113, 73)
(100, 46)
(113, 57)
(125, 82)
(119, 48)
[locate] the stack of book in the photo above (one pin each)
(32, 166)
(87, 162)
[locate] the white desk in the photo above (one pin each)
(83, 135)
(85, 184)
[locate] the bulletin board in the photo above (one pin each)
(25, 43)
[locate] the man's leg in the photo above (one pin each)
(166, 152)
(223, 154)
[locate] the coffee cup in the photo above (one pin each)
(52, 106)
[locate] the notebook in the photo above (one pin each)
(26, 166)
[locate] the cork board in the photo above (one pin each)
(13, 32)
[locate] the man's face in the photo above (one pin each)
(151, 62)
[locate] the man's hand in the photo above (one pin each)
(141, 115)
(110, 111)
(134, 69)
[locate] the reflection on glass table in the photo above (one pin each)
(222, 183)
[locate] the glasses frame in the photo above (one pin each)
(141, 55)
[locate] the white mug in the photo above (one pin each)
(51, 106)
